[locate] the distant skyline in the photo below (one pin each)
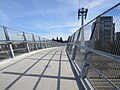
(49, 18)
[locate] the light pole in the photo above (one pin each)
(83, 13)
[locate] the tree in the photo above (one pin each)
(53, 39)
(61, 40)
(57, 39)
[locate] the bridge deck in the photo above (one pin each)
(48, 69)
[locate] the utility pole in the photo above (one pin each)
(83, 13)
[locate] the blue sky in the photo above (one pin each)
(49, 18)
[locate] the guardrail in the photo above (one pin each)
(99, 58)
(14, 42)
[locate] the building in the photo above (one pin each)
(117, 36)
(104, 29)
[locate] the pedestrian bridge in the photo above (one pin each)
(90, 60)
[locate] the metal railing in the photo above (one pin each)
(99, 59)
(14, 42)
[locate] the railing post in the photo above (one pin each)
(35, 44)
(87, 57)
(40, 43)
(71, 46)
(75, 48)
(44, 42)
(53, 42)
(47, 41)
(9, 43)
(69, 43)
(50, 43)
(85, 66)
(28, 49)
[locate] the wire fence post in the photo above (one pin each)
(28, 48)
(9, 43)
(75, 47)
(40, 43)
(47, 41)
(44, 42)
(35, 43)
(71, 47)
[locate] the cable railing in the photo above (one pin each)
(15, 42)
(99, 59)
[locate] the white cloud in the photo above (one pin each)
(96, 3)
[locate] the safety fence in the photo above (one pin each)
(14, 42)
(98, 52)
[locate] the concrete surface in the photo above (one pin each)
(47, 69)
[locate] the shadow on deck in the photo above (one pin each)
(48, 69)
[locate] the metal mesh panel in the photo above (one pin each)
(2, 36)
(108, 28)
(36, 38)
(19, 48)
(99, 82)
(4, 51)
(108, 67)
(15, 35)
(29, 37)
(102, 47)
(31, 46)
(43, 42)
(39, 45)
(79, 58)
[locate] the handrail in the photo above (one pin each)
(105, 54)
(12, 41)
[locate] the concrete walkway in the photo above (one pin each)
(48, 69)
